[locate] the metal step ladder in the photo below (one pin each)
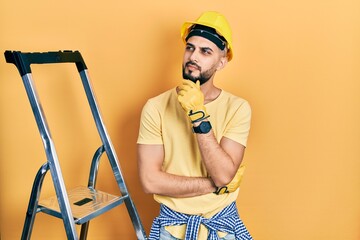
(81, 204)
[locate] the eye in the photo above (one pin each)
(189, 48)
(206, 51)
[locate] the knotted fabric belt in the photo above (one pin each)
(227, 220)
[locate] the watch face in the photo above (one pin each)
(205, 127)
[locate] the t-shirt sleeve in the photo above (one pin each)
(239, 126)
(150, 125)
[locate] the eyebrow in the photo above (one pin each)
(202, 48)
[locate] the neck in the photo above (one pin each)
(210, 91)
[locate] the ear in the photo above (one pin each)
(222, 63)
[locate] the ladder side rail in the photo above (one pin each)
(103, 132)
(91, 184)
(51, 155)
(95, 166)
(135, 218)
(33, 202)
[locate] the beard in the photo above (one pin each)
(203, 76)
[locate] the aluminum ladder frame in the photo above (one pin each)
(80, 205)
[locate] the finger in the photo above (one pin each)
(189, 83)
(198, 84)
(181, 93)
(185, 87)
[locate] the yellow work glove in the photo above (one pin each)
(191, 100)
(234, 184)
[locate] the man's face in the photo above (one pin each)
(202, 58)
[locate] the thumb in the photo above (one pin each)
(198, 84)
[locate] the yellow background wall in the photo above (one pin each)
(297, 62)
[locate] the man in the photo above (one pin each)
(192, 140)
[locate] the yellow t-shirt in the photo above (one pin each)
(163, 121)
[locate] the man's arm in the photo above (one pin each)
(154, 180)
(221, 160)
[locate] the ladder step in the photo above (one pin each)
(86, 203)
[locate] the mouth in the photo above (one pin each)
(192, 66)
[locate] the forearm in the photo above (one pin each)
(171, 185)
(154, 180)
(218, 163)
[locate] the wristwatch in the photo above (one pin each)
(204, 127)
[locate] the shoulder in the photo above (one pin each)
(156, 106)
(234, 101)
(162, 98)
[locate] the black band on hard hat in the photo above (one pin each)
(208, 33)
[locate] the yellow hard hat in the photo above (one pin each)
(213, 20)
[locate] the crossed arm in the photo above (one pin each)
(221, 161)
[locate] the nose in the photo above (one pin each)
(194, 56)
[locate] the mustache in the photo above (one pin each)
(193, 64)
